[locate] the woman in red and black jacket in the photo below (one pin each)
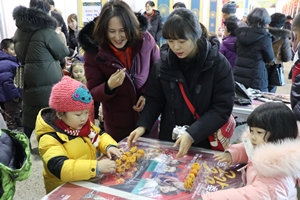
(119, 54)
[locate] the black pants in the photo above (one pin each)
(13, 110)
(28, 131)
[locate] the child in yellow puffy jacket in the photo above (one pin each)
(68, 141)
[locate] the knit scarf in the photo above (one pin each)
(85, 131)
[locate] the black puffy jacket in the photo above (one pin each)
(208, 83)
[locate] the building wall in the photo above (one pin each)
(7, 23)
(209, 12)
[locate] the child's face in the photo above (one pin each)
(76, 119)
(258, 136)
(78, 72)
(10, 50)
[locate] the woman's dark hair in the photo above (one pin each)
(277, 20)
(276, 118)
(150, 3)
(120, 9)
(204, 30)
(42, 5)
(179, 5)
(5, 43)
(231, 26)
(258, 18)
(182, 23)
(51, 2)
(58, 17)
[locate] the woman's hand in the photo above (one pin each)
(116, 79)
(184, 142)
(114, 151)
(140, 104)
(106, 166)
(224, 157)
(134, 135)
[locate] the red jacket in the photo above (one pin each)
(296, 70)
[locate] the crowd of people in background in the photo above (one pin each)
(115, 65)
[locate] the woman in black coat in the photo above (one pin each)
(155, 21)
(254, 49)
(206, 78)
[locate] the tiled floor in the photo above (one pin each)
(33, 188)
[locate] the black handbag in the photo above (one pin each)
(241, 96)
(19, 78)
(275, 75)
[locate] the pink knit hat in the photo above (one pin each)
(70, 95)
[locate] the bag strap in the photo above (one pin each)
(26, 48)
(211, 138)
(187, 101)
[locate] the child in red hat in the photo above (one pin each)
(68, 141)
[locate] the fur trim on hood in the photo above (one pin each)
(274, 159)
(29, 19)
(278, 159)
(87, 42)
(278, 33)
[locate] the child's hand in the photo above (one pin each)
(114, 151)
(224, 157)
(106, 166)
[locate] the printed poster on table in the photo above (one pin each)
(158, 175)
(155, 175)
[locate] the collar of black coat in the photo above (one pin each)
(29, 19)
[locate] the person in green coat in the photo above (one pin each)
(15, 161)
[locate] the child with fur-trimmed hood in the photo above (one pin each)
(271, 154)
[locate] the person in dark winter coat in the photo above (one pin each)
(228, 13)
(281, 42)
(63, 24)
(206, 78)
(227, 46)
(15, 161)
(155, 21)
(73, 32)
(41, 67)
(119, 54)
(254, 49)
(9, 93)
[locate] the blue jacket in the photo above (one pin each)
(8, 90)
